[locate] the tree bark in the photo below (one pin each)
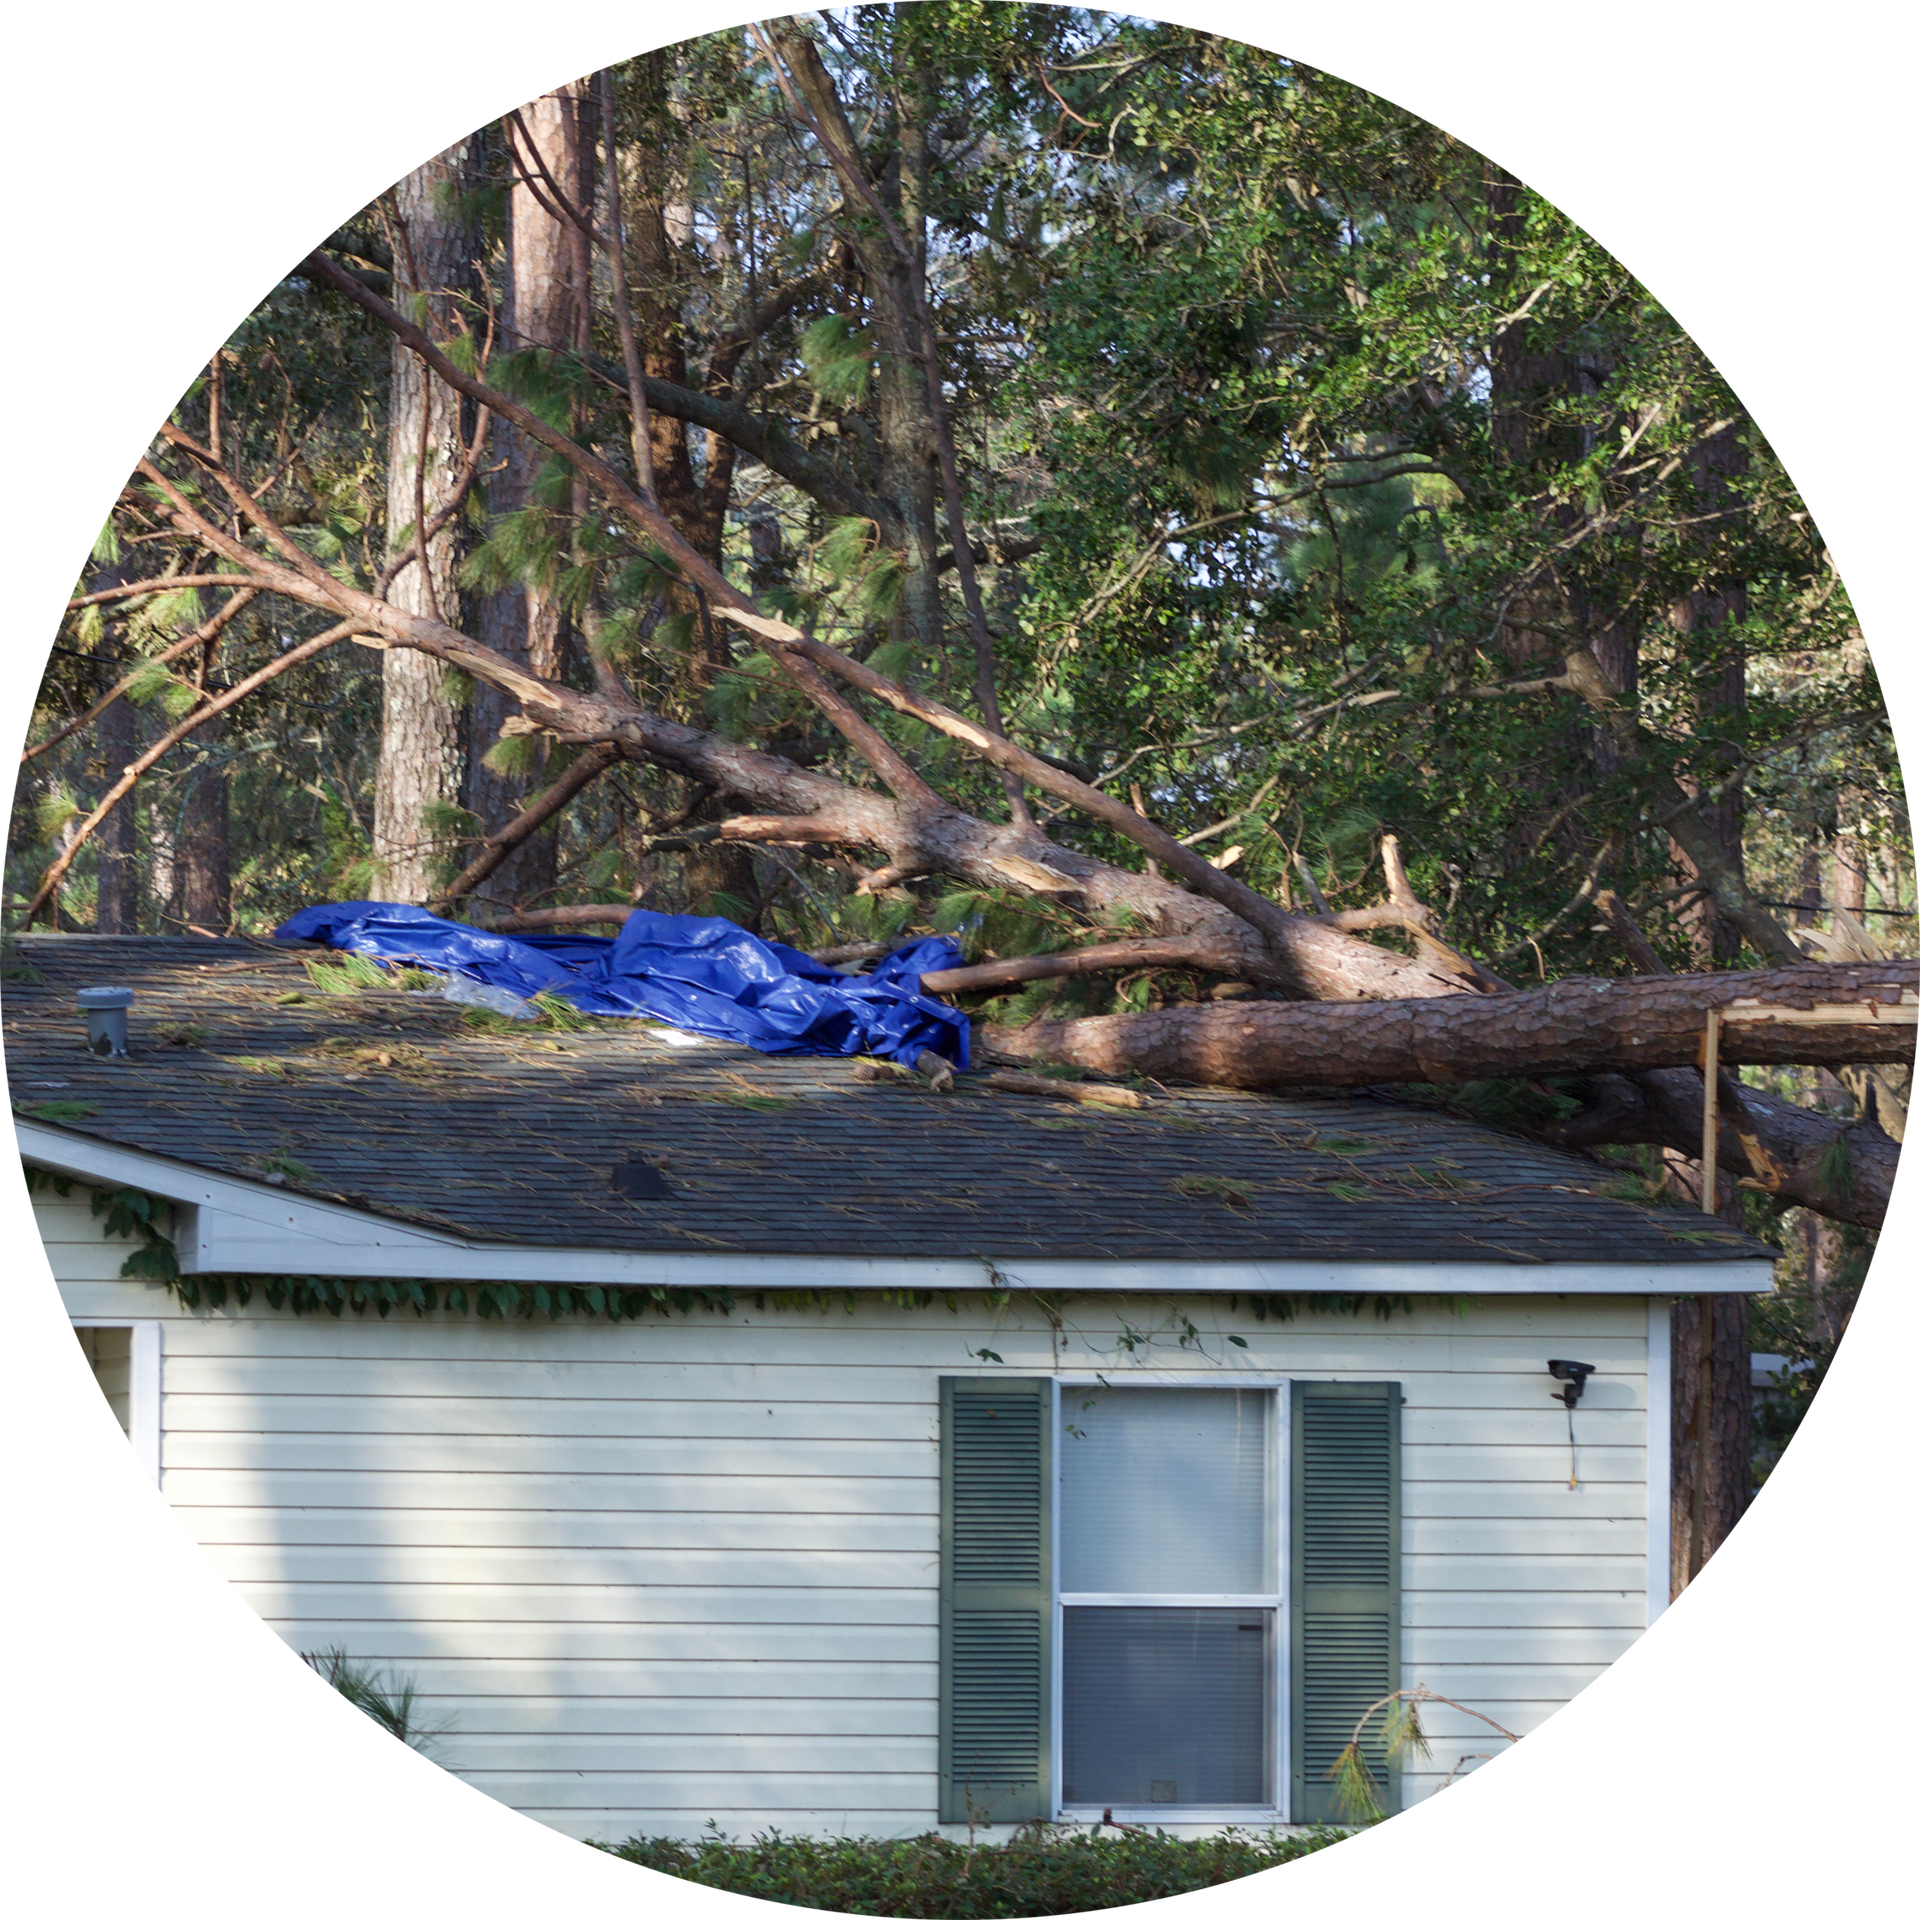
(1525, 378)
(117, 905)
(908, 457)
(656, 265)
(1712, 1430)
(1572, 1026)
(544, 306)
(1850, 855)
(203, 869)
(1841, 1170)
(1702, 618)
(422, 764)
(655, 279)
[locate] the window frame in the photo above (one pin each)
(1277, 1810)
(143, 1383)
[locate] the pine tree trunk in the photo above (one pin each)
(1850, 856)
(117, 904)
(908, 453)
(117, 909)
(1712, 1427)
(1702, 619)
(654, 278)
(657, 233)
(422, 749)
(545, 306)
(204, 899)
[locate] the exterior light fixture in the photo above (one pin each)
(1574, 1374)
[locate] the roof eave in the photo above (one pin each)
(229, 1225)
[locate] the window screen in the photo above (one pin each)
(1167, 1706)
(1167, 1492)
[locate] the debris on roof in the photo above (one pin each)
(250, 1058)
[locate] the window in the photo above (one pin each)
(1169, 1595)
(1162, 1596)
(126, 1362)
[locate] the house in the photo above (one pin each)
(715, 1436)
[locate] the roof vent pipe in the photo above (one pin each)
(106, 1011)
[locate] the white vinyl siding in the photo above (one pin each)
(688, 1569)
(79, 1248)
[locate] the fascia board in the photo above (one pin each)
(239, 1226)
(226, 1225)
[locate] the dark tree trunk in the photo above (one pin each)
(1712, 1427)
(658, 234)
(908, 451)
(908, 455)
(545, 306)
(1525, 378)
(117, 908)
(655, 281)
(1703, 619)
(203, 901)
(422, 748)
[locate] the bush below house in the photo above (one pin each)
(1038, 1870)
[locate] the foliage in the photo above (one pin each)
(388, 1698)
(124, 1213)
(1035, 1870)
(12, 967)
(1285, 394)
(132, 1215)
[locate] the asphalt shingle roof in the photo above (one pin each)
(400, 1105)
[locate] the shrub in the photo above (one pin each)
(1037, 1870)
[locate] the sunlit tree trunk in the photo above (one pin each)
(422, 750)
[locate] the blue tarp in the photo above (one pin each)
(706, 976)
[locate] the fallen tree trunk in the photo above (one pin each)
(1841, 1170)
(1572, 1026)
(1112, 958)
(1419, 1015)
(551, 919)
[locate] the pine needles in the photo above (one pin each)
(389, 1699)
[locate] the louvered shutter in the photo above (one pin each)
(1345, 1580)
(996, 1600)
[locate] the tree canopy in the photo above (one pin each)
(1152, 510)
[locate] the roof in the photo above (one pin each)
(398, 1104)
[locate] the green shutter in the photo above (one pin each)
(996, 1600)
(1345, 1579)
